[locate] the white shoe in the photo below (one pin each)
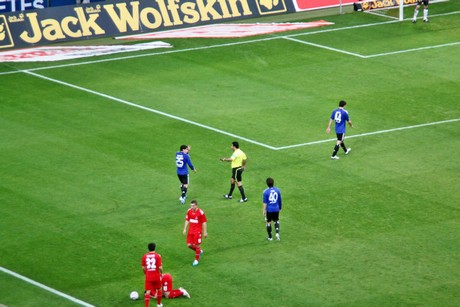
(182, 200)
(348, 151)
(270, 239)
(160, 305)
(228, 196)
(184, 292)
(195, 262)
(335, 158)
(243, 200)
(277, 236)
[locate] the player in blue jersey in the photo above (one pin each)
(183, 162)
(425, 10)
(341, 118)
(272, 204)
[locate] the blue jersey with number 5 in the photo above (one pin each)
(272, 197)
(182, 161)
(340, 116)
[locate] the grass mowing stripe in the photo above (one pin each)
(40, 285)
(411, 50)
(372, 133)
(150, 110)
(225, 132)
(324, 47)
(217, 46)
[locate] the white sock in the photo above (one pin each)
(415, 14)
(425, 14)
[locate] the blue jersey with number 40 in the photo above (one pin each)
(272, 197)
(340, 116)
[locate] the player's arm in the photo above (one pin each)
(328, 129)
(264, 210)
(350, 124)
(226, 159)
(189, 163)
(185, 227)
(160, 269)
(205, 229)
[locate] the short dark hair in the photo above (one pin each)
(342, 103)
(270, 182)
(194, 202)
(182, 147)
(235, 144)
(152, 246)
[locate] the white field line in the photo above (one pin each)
(212, 46)
(290, 37)
(372, 55)
(411, 50)
(216, 46)
(324, 47)
(222, 131)
(54, 291)
(371, 133)
(149, 109)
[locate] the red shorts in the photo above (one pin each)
(152, 285)
(194, 238)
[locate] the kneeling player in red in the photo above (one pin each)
(168, 290)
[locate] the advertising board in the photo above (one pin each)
(116, 18)
(368, 5)
(305, 5)
(7, 6)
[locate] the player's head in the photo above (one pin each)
(182, 147)
(235, 144)
(342, 103)
(270, 182)
(152, 246)
(194, 204)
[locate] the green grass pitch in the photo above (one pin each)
(86, 181)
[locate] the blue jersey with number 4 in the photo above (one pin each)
(272, 197)
(340, 116)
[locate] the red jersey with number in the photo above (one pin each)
(196, 220)
(166, 280)
(152, 262)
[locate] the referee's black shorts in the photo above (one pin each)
(237, 173)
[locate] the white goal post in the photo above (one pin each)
(375, 5)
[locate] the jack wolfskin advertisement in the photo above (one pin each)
(115, 18)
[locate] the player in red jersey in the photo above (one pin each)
(153, 268)
(195, 221)
(168, 290)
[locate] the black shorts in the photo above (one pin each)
(340, 136)
(425, 2)
(237, 173)
(273, 216)
(183, 178)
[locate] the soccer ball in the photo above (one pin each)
(134, 295)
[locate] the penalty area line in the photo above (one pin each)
(371, 133)
(40, 285)
(148, 109)
(222, 131)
